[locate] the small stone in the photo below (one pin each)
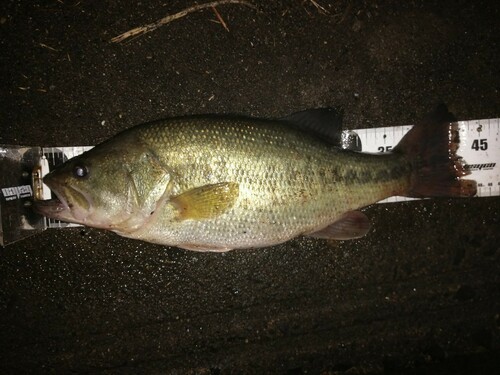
(357, 26)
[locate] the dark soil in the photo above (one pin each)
(419, 294)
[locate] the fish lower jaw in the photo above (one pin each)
(61, 209)
(52, 208)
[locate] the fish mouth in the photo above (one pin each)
(70, 205)
(52, 208)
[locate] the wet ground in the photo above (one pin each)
(419, 294)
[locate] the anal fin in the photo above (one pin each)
(351, 225)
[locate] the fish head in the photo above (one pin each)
(111, 187)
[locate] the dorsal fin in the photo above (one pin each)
(324, 122)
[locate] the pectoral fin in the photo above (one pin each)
(352, 224)
(206, 201)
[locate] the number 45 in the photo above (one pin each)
(479, 144)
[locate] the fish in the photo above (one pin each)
(224, 182)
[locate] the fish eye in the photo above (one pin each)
(80, 171)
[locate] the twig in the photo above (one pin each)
(163, 21)
(48, 47)
(319, 7)
(219, 17)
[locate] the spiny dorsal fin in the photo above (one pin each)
(324, 122)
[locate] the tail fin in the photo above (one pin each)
(431, 146)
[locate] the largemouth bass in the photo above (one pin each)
(216, 183)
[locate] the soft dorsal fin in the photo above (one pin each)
(324, 122)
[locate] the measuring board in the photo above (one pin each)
(22, 168)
